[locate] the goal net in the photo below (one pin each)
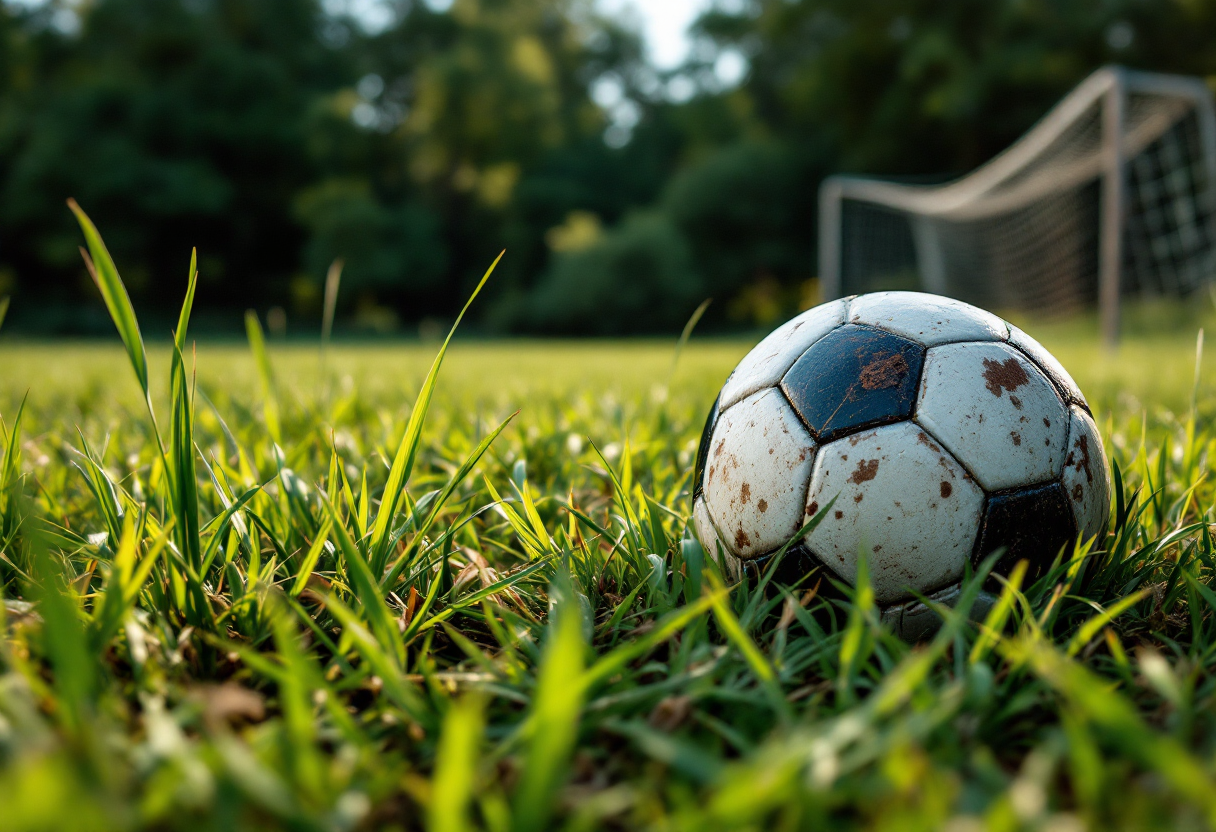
(1112, 193)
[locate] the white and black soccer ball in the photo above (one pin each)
(942, 432)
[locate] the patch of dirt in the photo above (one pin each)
(745, 493)
(1016, 437)
(812, 509)
(884, 371)
(946, 489)
(867, 469)
(741, 539)
(1004, 375)
(762, 505)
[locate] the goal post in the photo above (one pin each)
(1112, 193)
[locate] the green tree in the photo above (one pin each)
(921, 86)
(748, 213)
(180, 123)
(395, 247)
(638, 278)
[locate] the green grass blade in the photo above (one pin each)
(367, 590)
(419, 625)
(441, 500)
(182, 470)
(994, 622)
(1093, 626)
(114, 293)
(752, 654)
(1120, 723)
(183, 318)
(383, 663)
(310, 560)
(270, 398)
(403, 461)
(456, 766)
(554, 717)
(675, 621)
(693, 320)
(333, 279)
(12, 451)
(65, 641)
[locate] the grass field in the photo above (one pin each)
(315, 609)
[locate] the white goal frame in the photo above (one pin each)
(1107, 88)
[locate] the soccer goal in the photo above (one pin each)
(1113, 193)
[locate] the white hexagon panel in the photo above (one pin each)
(711, 542)
(756, 474)
(927, 319)
(995, 412)
(1085, 476)
(1050, 366)
(767, 362)
(904, 499)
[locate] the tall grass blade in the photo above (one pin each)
(403, 461)
(456, 766)
(333, 279)
(114, 293)
(367, 589)
(685, 335)
(270, 398)
(439, 502)
(182, 471)
(755, 658)
(65, 641)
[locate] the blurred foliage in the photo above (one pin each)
(639, 278)
(278, 135)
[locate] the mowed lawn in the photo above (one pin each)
(520, 635)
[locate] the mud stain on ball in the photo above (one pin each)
(1080, 463)
(946, 489)
(867, 469)
(884, 371)
(1004, 375)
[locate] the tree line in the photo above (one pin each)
(279, 135)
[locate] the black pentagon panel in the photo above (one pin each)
(698, 470)
(1032, 524)
(852, 378)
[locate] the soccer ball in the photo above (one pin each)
(941, 432)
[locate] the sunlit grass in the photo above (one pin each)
(522, 635)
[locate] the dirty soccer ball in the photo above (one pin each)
(942, 432)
